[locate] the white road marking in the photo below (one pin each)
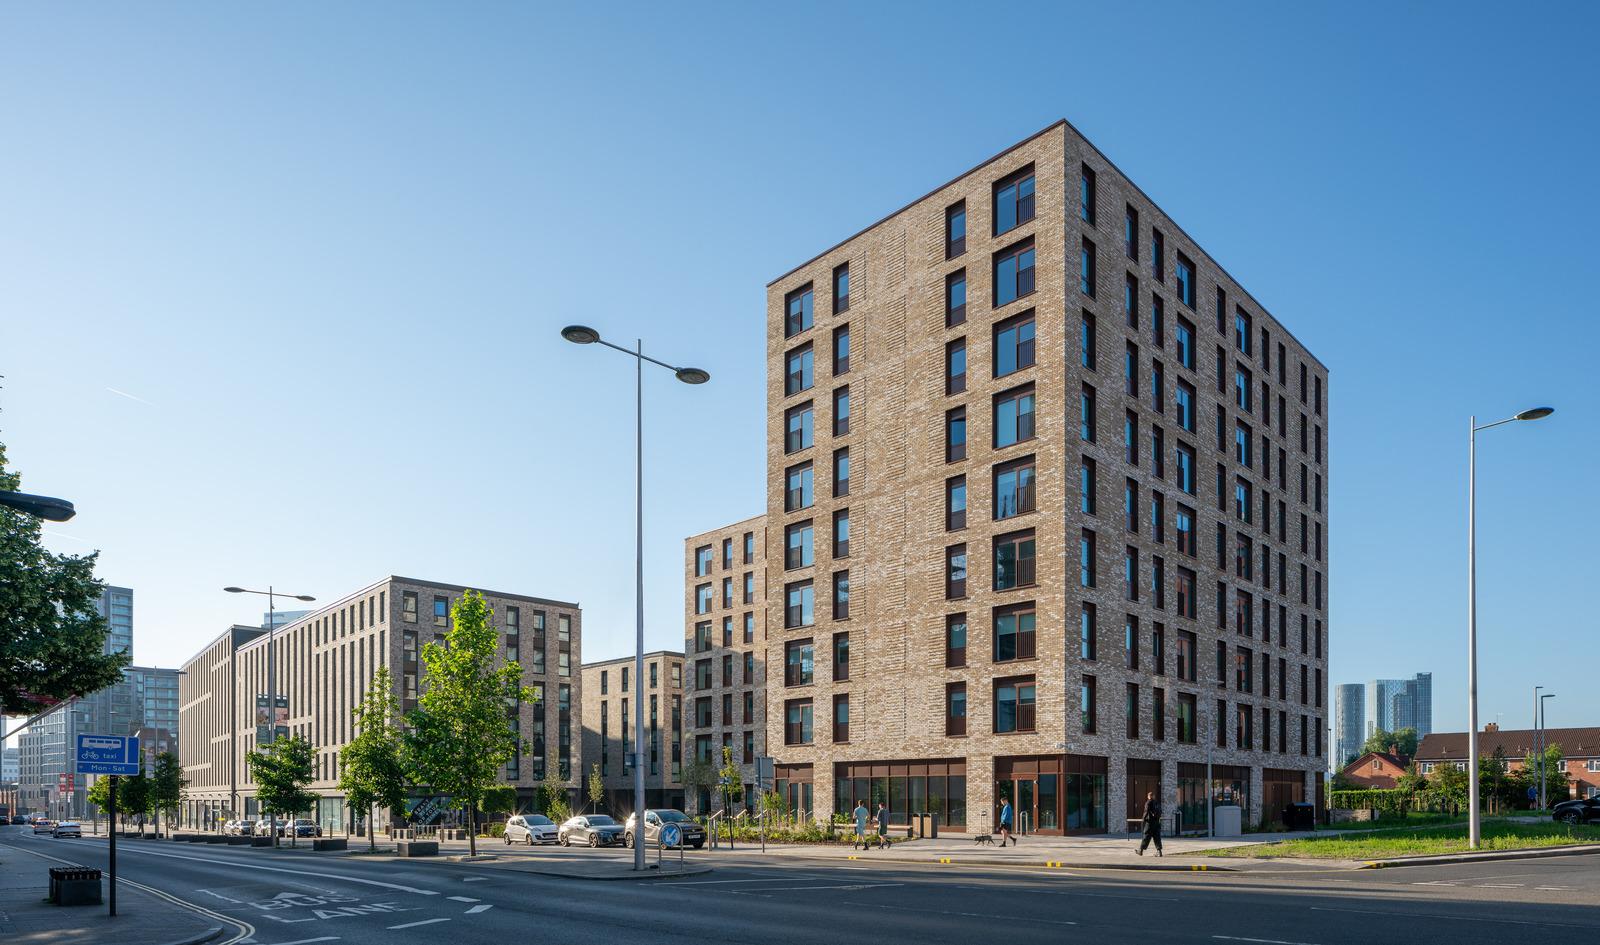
(1552, 888)
(968, 915)
(308, 941)
(412, 925)
(1499, 886)
(768, 889)
(477, 909)
(1267, 941)
(219, 895)
(1437, 882)
(1442, 915)
(297, 872)
(463, 899)
(474, 879)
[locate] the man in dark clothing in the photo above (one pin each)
(1152, 824)
(883, 825)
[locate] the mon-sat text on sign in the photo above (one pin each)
(108, 754)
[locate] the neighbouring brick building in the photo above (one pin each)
(1376, 770)
(725, 639)
(609, 694)
(1047, 498)
(324, 663)
(1580, 752)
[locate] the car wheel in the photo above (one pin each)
(627, 841)
(565, 840)
(527, 841)
(594, 840)
(1570, 817)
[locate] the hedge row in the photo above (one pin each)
(1390, 801)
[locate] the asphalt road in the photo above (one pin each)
(297, 899)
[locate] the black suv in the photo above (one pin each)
(1584, 810)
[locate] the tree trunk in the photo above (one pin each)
(372, 839)
(472, 828)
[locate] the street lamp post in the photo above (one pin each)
(46, 507)
(1474, 820)
(272, 658)
(583, 335)
(1542, 777)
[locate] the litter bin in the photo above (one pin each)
(1227, 820)
(74, 886)
(926, 826)
(1300, 816)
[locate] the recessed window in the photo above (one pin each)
(797, 493)
(955, 298)
(1186, 285)
(955, 230)
(1014, 564)
(1186, 405)
(841, 657)
(797, 427)
(1158, 255)
(1086, 269)
(1086, 341)
(702, 561)
(1088, 632)
(1187, 593)
(955, 708)
(1086, 555)
(841, 472)
(1130, 370)
(841, 533)
(955, 434)
(1087, 707)
(841, 288)
(1013, 200)
(1013, 344)
(1184, 334)
(1241, 330)
(1184, 525)
(841, 595)
(1014, 709)
(1243, 390)
(1130, 232)
(1086, 407)
(1013, 488)
(1013, 272)
(1014, 633)
(703, 597)
(955, 640)
(1086, 486)
(797, 722)
(1186, 470)
(798, 545)
(1130, 301)
(797, 309)
(1013, 416)
(841, 350)
(955, 572)
(841, 717)
(955, 366)
(841, 411)
(797, 371)
(799, 604)
(1086, 195)
(955, 503)
(1158, 321)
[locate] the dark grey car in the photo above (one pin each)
(597, 830)
(1584, 810)
(690, 834)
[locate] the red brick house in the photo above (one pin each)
(1376, 770)
(1580, 751)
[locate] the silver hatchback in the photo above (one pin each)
(530, 829)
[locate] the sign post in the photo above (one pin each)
(113, 755)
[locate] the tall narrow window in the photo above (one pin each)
(1086, 269)
(1086, 565)
(1130, 232)
(841, 350)
(955, 298)
(1158, 255)
(955, 708)
(955, 230)
(1086, 341)
(841, 411)
(955, 503)
(1130, 301)
(1013, 272)
(955, 434)
(955, 366)
(1013, 488)
(797, 374)
(1086, 486)
(1086, 195)
(1086, 704)
(955, 572)
(1014, 561)
(841, 537)
(1086, 408)
(1186, 286)
(841, 595)
(841, 472)
(797, 311)
(797, 488)
(1088, 632)
(1013, 416)
(1013, 344)
(955, 640)
(1013, 200)
(841, 288)
(797, 427)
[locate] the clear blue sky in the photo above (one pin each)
(323, 252)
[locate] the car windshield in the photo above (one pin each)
(600, 820)
(673, 816)
(537, 820)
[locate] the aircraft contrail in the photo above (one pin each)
(123, 393)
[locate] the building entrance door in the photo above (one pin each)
(1034, 803)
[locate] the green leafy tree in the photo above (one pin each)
(1411, 781)
(1403, 739)
(373, 763)
(597, 789)
(460, 738)
(281, 773)
(52, 643)
(553, 796)
(100, 796)
(167, 785)
(499, 799)
(698, 775)
(134, 797)
(1555, 774)
(1451, 783)
(730, 782)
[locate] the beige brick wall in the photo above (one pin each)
(896, 497)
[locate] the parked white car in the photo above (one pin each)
(531, 829)
(67, 828)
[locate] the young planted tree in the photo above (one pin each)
(597, 788)
(52, 642)
(553, 795)
(459, 739)
(100, 796)
(166, 788)
(281, 773)
(698, 775)
(134, 796)
(373, 763)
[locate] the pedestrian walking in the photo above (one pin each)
(861, 826)
(1005, 823)
(1152, 824)
(883, 824)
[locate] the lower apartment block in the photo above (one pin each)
(323, 664)
(1047, 503)
(725, 628)
(610, 694)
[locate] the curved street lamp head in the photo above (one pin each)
(46, 507)
(1537, 413)
(234, 590)
(580, 334)
(304, 597)
(692, 375)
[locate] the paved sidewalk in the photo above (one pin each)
(26, 918)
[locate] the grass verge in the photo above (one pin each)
(1405, 841)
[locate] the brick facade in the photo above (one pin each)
(608, 707)
(899, 404)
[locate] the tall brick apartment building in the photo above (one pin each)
(725, 631)
(1047, 497)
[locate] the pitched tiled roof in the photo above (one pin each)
(1516, 743)
(1398, 762)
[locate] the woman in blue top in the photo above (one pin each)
(1005, 823)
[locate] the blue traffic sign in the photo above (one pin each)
(108, 754)
(669, 835)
